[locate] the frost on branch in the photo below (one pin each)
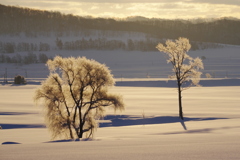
(75, 96)
(185, 68)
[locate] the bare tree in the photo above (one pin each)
(75, 96)
(185, 68)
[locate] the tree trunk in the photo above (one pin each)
(80, 134)
(180, 101)
(81, 131)
(70, 130)
(81, 121)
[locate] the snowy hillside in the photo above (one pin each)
(220, 63)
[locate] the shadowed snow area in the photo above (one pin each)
(10, 143)
(12, 113)
(125, 120)
(17, 126)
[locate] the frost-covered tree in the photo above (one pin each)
(75, 96)
(208, 75)
(185, 68)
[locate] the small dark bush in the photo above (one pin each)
(19, 80)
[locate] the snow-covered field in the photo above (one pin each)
(220, 63)
(149, 128)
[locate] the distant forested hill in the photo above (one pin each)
(15, 20)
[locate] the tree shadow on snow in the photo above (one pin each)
(13, 113)
(10, 143)
(127, 120)
(21, 126)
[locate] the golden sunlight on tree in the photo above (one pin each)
(185, 68)
(75, 96)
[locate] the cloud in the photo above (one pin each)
(94, 7)
(148, 8)
(227, 2)
(117, 6)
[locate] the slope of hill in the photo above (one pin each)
(38, 22)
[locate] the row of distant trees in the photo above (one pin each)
(12, 47)
(95, 44)
(26, 59)
(31, 21)
(130, 45)
(204, 45)
(83, 44)
(104, 44)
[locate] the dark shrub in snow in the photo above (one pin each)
(19, 80)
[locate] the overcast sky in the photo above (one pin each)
(171, 9)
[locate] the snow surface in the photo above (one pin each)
(149, 128)
(220, 63)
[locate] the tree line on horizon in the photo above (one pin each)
(12, 47)
(93, 44)
(30, 21)
(29, 58)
